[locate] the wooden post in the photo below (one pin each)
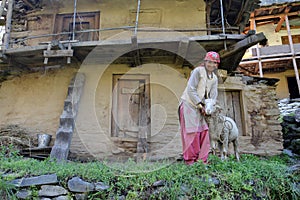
(287, 23)
(8, 24)
(253, 23)
(2, 8)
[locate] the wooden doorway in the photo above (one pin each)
(231, 102)
(293, 87)
(131, 110)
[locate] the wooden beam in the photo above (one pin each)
(282, 19)
(58, 53)
(137, 58)
(276, 16)
(243, 44)
(8, 24)
(29, 4)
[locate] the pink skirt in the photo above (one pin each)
(195, 145)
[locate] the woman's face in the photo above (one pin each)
(210, 65)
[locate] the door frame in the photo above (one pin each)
(243, 108)
(146, 112)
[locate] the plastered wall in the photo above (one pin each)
(94, 116)
(35, 101)
(282, 89)
(167, 14)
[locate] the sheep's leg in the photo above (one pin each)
(221, 149)
(236, 149)
(213, 146)
(225, 147)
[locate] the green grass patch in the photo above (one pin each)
(252, 178)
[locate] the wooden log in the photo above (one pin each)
(58, 53)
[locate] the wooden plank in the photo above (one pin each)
(282, 19)
(243, 44)
(276, 16)
(237, 110)
(6, 36)
(228, 105)
(58, 53)
(137, 59)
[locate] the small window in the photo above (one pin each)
(295, 38)
(84, 22)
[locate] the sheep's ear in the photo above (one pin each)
(218, 108)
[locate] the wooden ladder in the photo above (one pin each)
(62, 52)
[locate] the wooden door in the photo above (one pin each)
(83, 21)
(131, 106)
(231, 103)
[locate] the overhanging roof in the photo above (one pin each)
(187, 51)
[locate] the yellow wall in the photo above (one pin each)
(35, 101)
(94, 116)
(282, 89)
(167, 14)
(273, 37)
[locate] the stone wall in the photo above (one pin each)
(290, 111)
(263, 132)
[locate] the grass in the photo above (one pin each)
(252, 178)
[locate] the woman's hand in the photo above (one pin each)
(201, 108)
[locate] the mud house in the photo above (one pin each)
(104, 77)
(278, 56)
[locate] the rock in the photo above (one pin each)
(159, 183)
(185, 189)
(61, 198)
(289, 119)
(82, 196)
(294, 168)
(214, 181)
(52, 191)
(24, 194)
(284, 101)
(38, 180)
(100, 186)
(76, 184)
(295, 145)
(288, 152)
(297, 115)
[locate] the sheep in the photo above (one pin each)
(222, 130)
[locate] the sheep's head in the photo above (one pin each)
(210, 106)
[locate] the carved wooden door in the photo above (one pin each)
(130, 109)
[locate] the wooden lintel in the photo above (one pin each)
(58, 53)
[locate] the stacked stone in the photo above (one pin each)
(288, 107)
(51, 189)
(290, 124)
(264, 127)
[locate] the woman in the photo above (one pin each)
(202, 84)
